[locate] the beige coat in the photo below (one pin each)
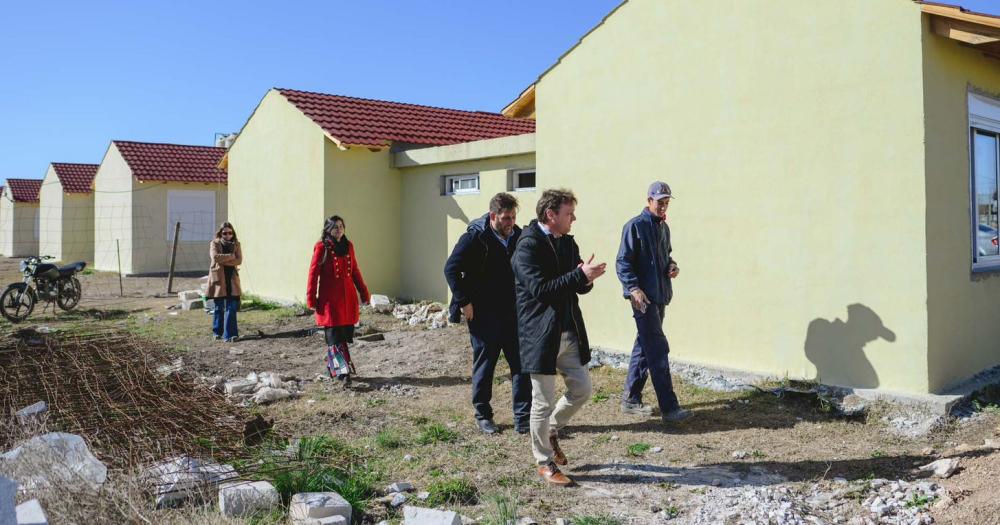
(217, 272)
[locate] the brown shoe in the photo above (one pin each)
(557, 454)
(552, 475)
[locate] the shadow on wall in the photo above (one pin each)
(429, 246)
(836, 347)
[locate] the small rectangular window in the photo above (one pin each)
(985, 181)
(461, 184)
(522, 180)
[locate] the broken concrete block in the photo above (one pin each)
(381, 303)
(239, 386)
(307, 505)
(400, 486)
(184, 478)
(56, 456)
(330, 520)
(398, 499)
(942, 468)
(189, 298)
(30, 513)
(239, 499)
(8, 495)
(422, 516)
(270, 395)
(270, 379)
(32, 412)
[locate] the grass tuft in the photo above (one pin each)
(638, 449)
(455, 491)
(436, 433)
(598, 519)
(389, 439)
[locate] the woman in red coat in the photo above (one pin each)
(332, 291)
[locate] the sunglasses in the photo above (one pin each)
(228, 233)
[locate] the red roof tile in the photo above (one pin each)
(376, 123)
(24, 190)
(173, 162)
(75, 178)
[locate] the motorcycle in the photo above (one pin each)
(42, 281)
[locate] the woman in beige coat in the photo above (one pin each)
(224, 281)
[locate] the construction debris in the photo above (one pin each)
(52, 458)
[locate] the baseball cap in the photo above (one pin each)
(659, 190)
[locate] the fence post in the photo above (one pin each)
(173, 258)
(121, 287)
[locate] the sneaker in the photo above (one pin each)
(487, 426)
(557, 454)
(677, 415)
(552, 475)
(233, 339)
(636, 409)
(217, 338)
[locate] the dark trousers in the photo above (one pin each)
(485, 355)
(649, 358)
(224, 320)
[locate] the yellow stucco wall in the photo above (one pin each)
(151, 245)
(792, 135)
(432, 222)
(963, 308)
(20, 229)
(276, 197)
(66, 222)
(361, 187)
(6, 222)
(113, 193)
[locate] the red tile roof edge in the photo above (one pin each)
(24, 190)
(75, 177)
(191, 163)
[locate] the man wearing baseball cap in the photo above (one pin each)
(645, 268)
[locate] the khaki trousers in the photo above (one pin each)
(544, 420)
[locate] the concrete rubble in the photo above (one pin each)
(31, 513)
(238, 499)
(32, 413)
(262, 388)
(422, 516)
(943, 468)
(55, 457)
(185, 478)
(381, 303)
(431, 315)
(307, 507)
(8, 495)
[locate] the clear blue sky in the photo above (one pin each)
(78, 74)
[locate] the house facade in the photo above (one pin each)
(141, 191)
(827, 212)
(19, 225)
(66, 209)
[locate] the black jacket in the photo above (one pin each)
(478, 272)
(548, 279)
(644, 258)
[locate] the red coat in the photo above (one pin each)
(333, 287)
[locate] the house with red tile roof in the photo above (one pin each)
(142, 191)
(66, 212)
(19, 217)
(406, 179)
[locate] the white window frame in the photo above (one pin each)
(984, 116)
(515, 176)
(195, 209)
(450, 179)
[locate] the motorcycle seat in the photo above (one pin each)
(72, 268)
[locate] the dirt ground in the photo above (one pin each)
(416, 377)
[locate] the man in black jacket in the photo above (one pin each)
(482, 287)
(549, 274)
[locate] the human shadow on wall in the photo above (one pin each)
(836, 347)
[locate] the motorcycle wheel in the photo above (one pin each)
(16, 304)
(69, 294)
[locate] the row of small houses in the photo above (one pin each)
(836, 167)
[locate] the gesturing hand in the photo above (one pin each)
(591, 270)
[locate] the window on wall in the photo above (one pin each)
(522, 180)
(195, 210)
(984, 119)
(461, 184)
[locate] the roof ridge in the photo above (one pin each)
(383, 101)
(117, 141)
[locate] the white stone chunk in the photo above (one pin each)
(8, 495)
(52, 457)
(942, 468)
(32, 411)
(330, 520)
(30, 513)
(182, 478)
(422, 516)
(239, 386)
(270, 395)
(238, 499)
(306, 505)
(380, 303)
(400, 486)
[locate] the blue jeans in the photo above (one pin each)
(224, 319)
(649, 359)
